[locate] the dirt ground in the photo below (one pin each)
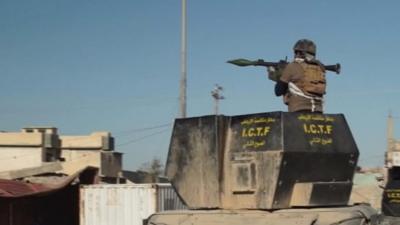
(367, 189)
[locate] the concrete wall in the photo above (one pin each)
(95, 141)
(21, 139)
(111, 164)
(397, 146)
(95, 150)
(393, 158)
(14, 158)
(88, 155)
(21, 150)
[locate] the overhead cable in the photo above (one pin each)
(143, 137)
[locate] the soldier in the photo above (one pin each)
(303, 82)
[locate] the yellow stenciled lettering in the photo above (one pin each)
(329, 129)
(244, 133)
(313, 128)
(321, 129)
(306, 129)
(266, 131)
(255, 131)
(259, 130)
(393, 195)
(317, 129)
(251, 133)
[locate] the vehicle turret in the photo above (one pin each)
(272, 160)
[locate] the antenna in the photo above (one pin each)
(216, 94)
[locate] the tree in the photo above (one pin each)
(154, 170)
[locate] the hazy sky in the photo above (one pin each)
(85, 66)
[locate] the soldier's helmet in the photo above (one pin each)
(305, 45)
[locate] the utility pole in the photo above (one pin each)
(217, 96)
(182, 96)
(389, 132)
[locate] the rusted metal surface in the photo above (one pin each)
(18, 189)
(255, 161)
(10, 188)
(53, 202)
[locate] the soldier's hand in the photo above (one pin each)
(272, 73)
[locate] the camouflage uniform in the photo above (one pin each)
(303, 83)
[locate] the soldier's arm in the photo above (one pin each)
(281, 86)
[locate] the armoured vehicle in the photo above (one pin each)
(273, 168)
(391, 197)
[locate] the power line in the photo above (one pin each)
(121, 133)
(143, 137)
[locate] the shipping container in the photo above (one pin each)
(125, 204)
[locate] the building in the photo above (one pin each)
(392, 156)
(97, 150)
(29, 148)
(41, 150)
(391, 197)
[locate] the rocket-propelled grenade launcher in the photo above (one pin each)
(279, 66)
